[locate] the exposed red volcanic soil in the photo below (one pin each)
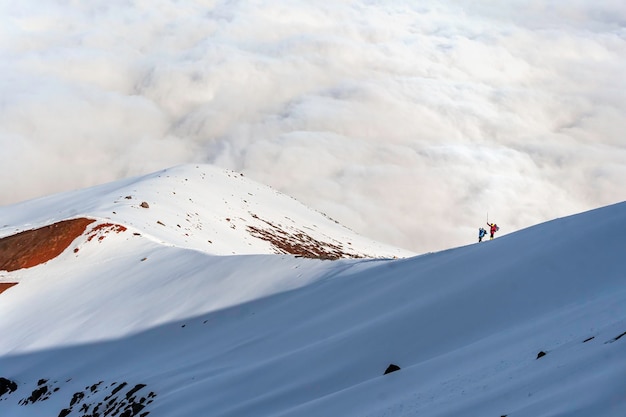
(33, 247)
(104, 228)
(297, 242)
(6, 285)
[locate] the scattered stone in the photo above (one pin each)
(65, 412)
(40, 394)
(616, 338)
(101, 230)
(144, 204)
(94, 387)
(619, 337)
(541, 354)
(88, 403)
(7, 386)
(119, 406)
(391, 368)
(287, 240)
(134, 390)
(118, 388)
(77, 398)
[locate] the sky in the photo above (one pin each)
(411, 123)
(194, 331)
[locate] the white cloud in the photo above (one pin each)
(406, 122)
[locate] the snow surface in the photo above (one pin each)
(264, 334)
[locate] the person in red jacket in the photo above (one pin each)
(493, 228)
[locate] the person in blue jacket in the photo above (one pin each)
(481, 234)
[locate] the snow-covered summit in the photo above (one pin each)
(205, 208)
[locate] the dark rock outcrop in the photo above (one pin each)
(97, 400)
(391, 368)
(41, 393)
(7, 386)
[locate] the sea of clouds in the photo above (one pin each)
(407, 121)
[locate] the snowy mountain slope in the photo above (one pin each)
(129, 326)
(204, 208)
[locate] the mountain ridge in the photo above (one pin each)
(528, 324)
(204, 208)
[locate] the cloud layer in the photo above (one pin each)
(407, 122)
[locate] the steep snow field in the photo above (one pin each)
(162, 323)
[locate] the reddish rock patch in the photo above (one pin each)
(102, 229)
(6, 285)
(33, 247)
(297, 242)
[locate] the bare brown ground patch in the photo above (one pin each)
(6, 285)
(102, 229)
(297, 242)
(33, 247)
